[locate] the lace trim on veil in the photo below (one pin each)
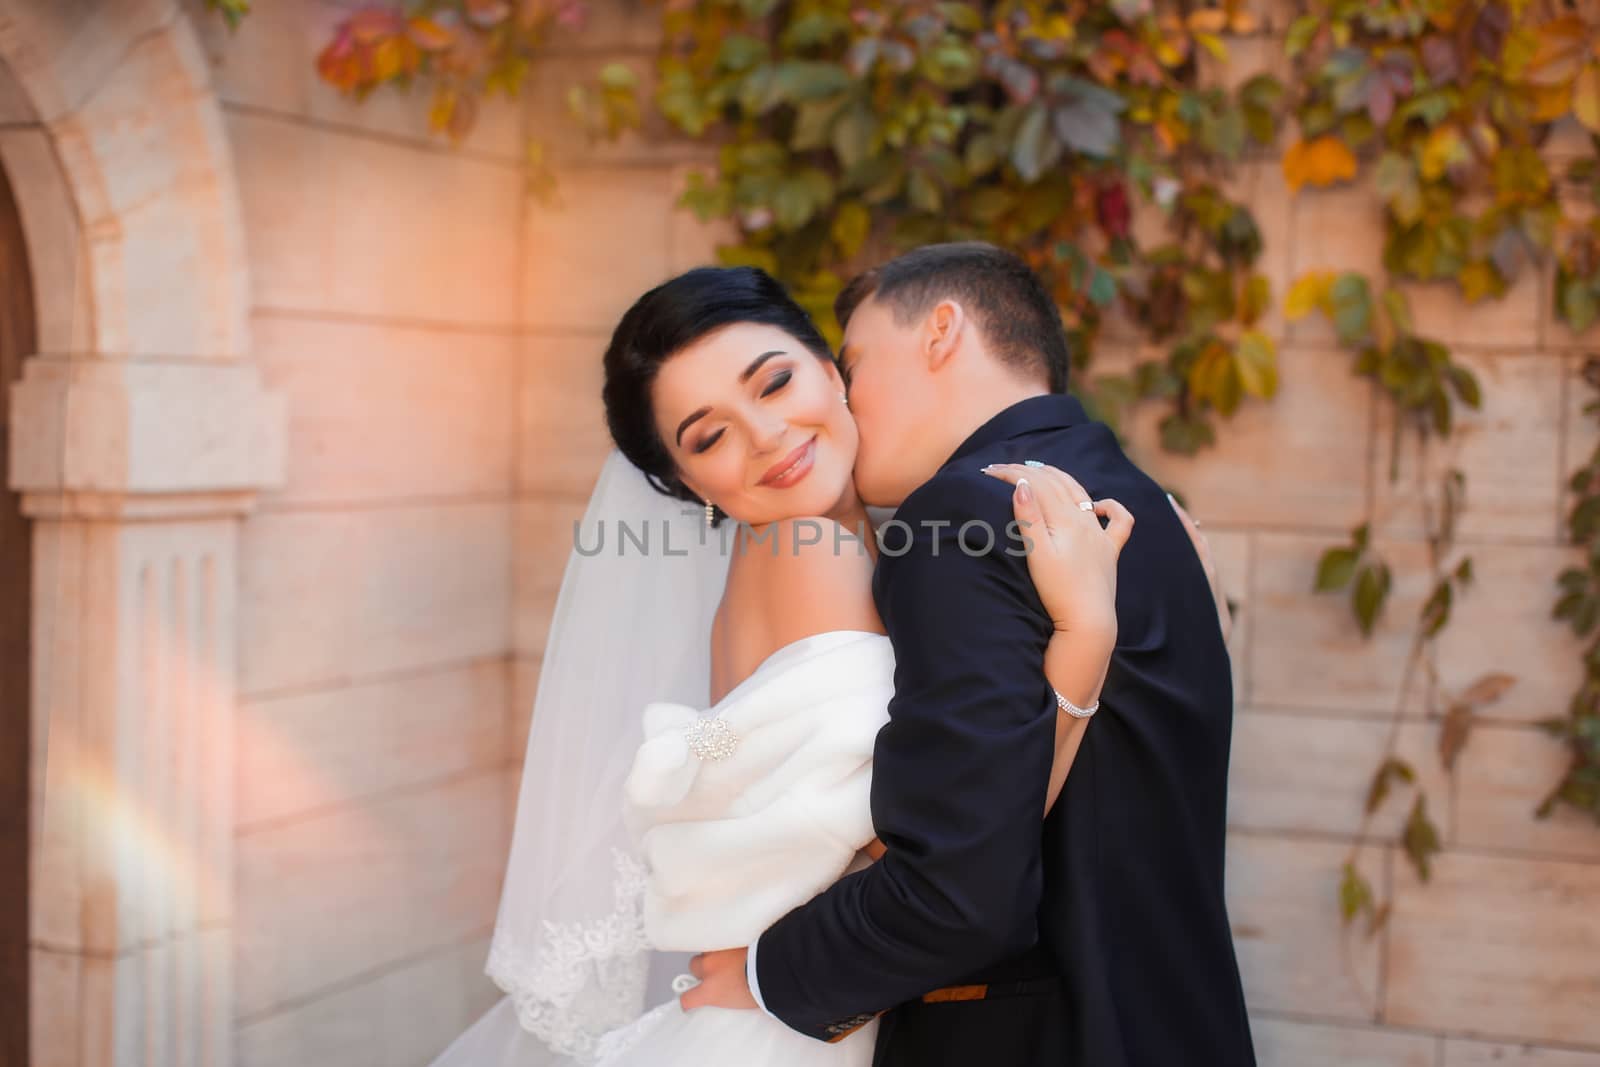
(586, 978)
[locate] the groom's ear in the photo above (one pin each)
(942, 332)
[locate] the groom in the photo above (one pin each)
(1098, 937)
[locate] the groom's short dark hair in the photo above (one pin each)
(1020, 322)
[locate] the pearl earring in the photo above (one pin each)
(844, 398)
(711, 513)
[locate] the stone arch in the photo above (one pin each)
(139, 438)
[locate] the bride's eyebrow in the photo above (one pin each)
(744, 376)
(755, 365)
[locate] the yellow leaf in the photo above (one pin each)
(1308, 293)
(1479, 280)
(1321, 162)
(1443, 148)
(444, 106)
(1255, 361)
(1586, 98)
(1213, 44)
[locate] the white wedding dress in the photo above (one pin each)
(647, 829)
(734, 844)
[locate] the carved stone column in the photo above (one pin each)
(136, 475)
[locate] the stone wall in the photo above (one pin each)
(438, 338)
(375, 600)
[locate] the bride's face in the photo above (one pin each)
(754, 421)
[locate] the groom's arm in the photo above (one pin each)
(959, 778)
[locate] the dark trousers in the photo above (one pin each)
(1012, 1016)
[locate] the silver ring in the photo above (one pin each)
(1032, 463)
(1086, 505)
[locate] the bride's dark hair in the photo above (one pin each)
(665, 321)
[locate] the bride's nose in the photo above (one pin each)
(766, 431)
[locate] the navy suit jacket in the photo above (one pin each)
(1119, 892)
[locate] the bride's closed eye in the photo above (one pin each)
(774, 384)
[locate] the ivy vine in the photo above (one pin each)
(848, 129)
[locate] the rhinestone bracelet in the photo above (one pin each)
(1072, 709)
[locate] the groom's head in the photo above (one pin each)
(936, 342)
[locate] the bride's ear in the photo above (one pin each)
(942, 332)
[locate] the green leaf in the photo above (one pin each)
(1102, 287)
(854, 136)
(851, 225)
(924, 192)
(1350, 301)
(1035, 150)
(797, 80)
(1436, 612)
(1301, 30)
(740, 52)
(1388, 772)
(1086, 118)
(1336, 568)
(619, 77)
(1355, 893)
(1186, 434)
(1465, 385)
(1395, 178)
(1421, 838)
(1371, 591)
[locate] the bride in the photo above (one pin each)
(700, 753)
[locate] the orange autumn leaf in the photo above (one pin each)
(1323, 161)
(1586, 98)
(429, 35)
(1560, 51)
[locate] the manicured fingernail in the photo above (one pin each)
(1024, 491)
(1170, 500)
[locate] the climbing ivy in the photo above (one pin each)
(1085, 136)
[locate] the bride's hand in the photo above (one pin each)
(1203, 548)
(1072, 559)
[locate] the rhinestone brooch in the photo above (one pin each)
(711, 738)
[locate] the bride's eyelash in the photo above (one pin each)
(708, 442)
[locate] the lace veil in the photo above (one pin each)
(632, 625)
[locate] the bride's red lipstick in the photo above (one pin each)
(791, 468)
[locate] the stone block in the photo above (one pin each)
(327, 899)
(328, 595)
(586, 259)
(544, 542)
(1307, 650)
(382, 412)
(1503, 624)
(1484, 1054)
(562, 438)
(1292, 1043)
(311, 752)
(1505, 773)
(1293, 956)
(1509, 452)
(1311, 773)
(1299, 459)
(357, 226)
(1497, 947)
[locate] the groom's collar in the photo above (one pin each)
(1050, 411)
